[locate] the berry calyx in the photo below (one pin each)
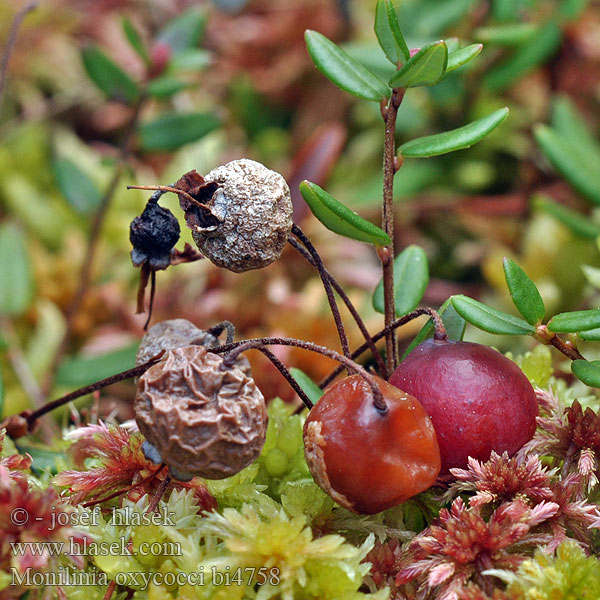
(478, 399)
(368, 459)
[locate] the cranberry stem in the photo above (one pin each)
(440, 334)
(234, 350)
(168, 188)
(219, 328)
(335, 311)
(544, 335)
(351, 308)
(289, 377)
(389, 113)
(31, 417)
(152, 293)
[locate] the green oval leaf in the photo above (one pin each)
(134, 39)
(590, 335)
(426, 67)
(411, 277)
(455, 326)
(165, 87)
(109, 77)
(341, 69)
(587, 371)
(457, 139)
(16, 278)
(339, 218)
(572, 322)
(510, 34)
(524, 293)
(309, 387)
(82, 370)
(387, 30)
(184, 31)
(458, 58)
(490, 319)
(173, 130)
(576, 165)
(76, 186)
(576, 222)
(526, 58)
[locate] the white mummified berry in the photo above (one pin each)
(203, 418)
(254, 209)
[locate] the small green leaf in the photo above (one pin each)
(134, 39)
(541, 47)
(309, 387)
(571, 161)
(511, 34)
(572, 322)
(426, 67)
(173, 130)
(524, 293)
(81, 370)
(568, 122)
(165, 87)
(461, 57)
(184, 31)
(576, 222)
(411, 276)
(76, 186)
(44, 459)
(457, 139)
(345, 72)
(587, 371)
(16, 277)
(455, 326)
(194, 59)
(387, 30)
(490, 319)
(109, 77)
(339, 218)
(590, 335)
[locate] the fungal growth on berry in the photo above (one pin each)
(478, 399)
(365, 458)
(251, 212)
(202, 417)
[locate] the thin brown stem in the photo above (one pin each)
(31, 417)
(110, 590)
(440, 334)
(234, 350)
(335, 311)
(386, 254)
(152, 294)
(10, 42)
(351, 308)
(567, 349)
(162, 488)
(288, 377)
(168, 188)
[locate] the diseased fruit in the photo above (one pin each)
(368, 460)
(202, 418)
(478, 399)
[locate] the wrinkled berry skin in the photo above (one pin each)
(478, 399)
(153, 235)
(365, 459)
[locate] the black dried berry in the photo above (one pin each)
(153, 235)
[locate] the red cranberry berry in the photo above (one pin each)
(367, 459)
(478, 399)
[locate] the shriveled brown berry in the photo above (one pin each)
(175, 333)
(203, 418)
(253, 207)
